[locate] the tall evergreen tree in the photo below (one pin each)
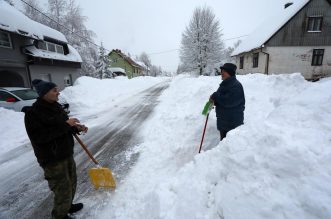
(103, 65)
(201, 45)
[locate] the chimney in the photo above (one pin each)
(288, 4)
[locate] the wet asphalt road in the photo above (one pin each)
(24, 192)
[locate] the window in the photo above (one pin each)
(4, 96)
(68, 80)
(241, 64)
(59, 49)
(26, 94)
(50, 47)
(255, 60)
(317, 57)
(315, 24)
(5, 40)
(42, 45)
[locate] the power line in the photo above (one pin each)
(87, 40)
(172, 50)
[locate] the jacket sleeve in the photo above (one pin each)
(229, 98)
(40, 133)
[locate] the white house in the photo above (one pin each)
(296, 40)
(30, 50)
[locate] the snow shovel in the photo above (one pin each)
(206, 110)
(100, 176)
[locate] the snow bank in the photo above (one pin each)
(12, 131)
(91, 95)
(274, 166)
(88, 96)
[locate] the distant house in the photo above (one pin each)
(120, 60)
(296, 40)
(30, 50)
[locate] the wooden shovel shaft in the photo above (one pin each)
(203, 134)
(86, 150)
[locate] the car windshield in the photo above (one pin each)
(28, 94)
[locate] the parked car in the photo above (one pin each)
(19, 98)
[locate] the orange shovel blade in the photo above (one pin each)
(102, 177)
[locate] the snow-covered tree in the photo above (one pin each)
(155, 70)
(10, 2)
(201, 45)
(32, 13)
(144, 58)
(228, 52)
(67, 18)
(57, 10)
(103, 65)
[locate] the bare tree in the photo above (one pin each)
(144, 58)
(10, 2)
(57, 11)
(67, 18)
(32, 13)
(229, 50)
(201, 45)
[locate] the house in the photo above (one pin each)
(30, 50)
(296, 40)
(120, 60)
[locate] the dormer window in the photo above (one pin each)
(315, 23)
(52, 47)
(5, 40)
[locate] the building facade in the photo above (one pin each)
(30, 50)
(301, 44)
(120, 60)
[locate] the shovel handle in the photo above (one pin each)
(203, 134)
(86, 150)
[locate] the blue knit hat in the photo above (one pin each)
(42, 87)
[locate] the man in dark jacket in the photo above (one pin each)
(51, 134)
(229, 100)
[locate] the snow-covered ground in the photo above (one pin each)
(276, 165)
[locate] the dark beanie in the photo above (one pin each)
(229, 68)
(42, 87)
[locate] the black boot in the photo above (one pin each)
(75, 207)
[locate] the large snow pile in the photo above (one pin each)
(277, 165)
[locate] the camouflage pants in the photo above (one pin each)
(62, 181)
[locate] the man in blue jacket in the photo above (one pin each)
(229, 100)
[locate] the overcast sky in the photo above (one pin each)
(156, 26)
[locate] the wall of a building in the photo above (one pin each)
(119, 62)
(54, 73)
(13, 57)
(299, 59)
(288, 60)
(248, 63)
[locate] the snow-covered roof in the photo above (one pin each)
(73, 55)
(141, 64)
(13, 20)
(116, 69)
(268, 28)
